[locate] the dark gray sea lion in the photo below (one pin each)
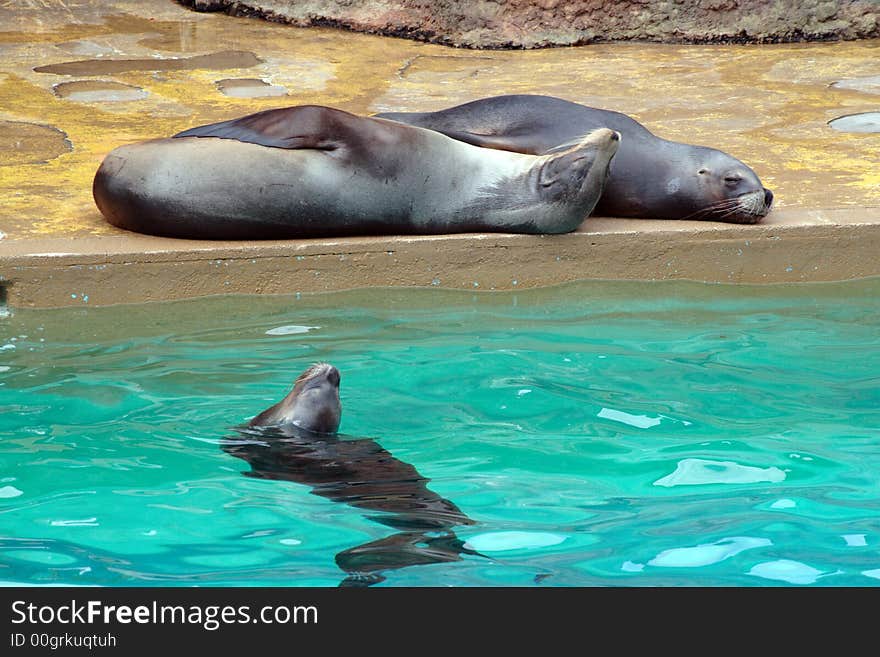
(650, 177)
(313, 171)
(295, 440)
(312, 404)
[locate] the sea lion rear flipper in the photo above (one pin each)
(290, 127)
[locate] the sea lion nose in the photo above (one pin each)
(768, 197)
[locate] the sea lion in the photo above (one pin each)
(296, 440)
(313, 171)
(650, 177)
(312, 404)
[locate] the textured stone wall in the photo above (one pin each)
(539, 23)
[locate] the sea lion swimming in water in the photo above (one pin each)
(312, 404)
(650, 177)
(313, 171)
(295, 440)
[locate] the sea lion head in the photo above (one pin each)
(723, 188)
(559, 189)
(576, 167)
(555, 192)
(313, 404)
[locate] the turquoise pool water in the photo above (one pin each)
(626, 434)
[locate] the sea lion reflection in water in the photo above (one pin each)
(295, 440)
(650, 177)
(314, 171)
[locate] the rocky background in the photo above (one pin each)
(541, 23)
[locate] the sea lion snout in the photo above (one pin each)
(324, 373)
(749, 207)
(313, 404)
(600, 136)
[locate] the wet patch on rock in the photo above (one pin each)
(85, 48)
(864, 122)
(183, 39)
(90, 91)
(31, 143)
(249, 88)
(214, 61)
(870, 84)
(470, 67)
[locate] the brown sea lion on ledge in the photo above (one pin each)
(312, 171)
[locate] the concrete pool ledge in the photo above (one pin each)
(791, 245)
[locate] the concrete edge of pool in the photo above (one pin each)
(791, 245)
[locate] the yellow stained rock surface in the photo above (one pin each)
(767, 105)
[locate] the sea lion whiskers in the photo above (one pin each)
(722, 205)
(750, 207)
(756, 202)
(724, 208)
(746, 208)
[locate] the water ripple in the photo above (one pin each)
(595, 433)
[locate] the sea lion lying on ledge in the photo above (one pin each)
(312, 171)
(650, 177)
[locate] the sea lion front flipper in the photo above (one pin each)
(288, 127)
